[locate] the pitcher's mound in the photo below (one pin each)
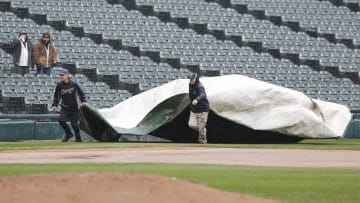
(111, 187)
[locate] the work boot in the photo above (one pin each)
(67, 138)
(202, 139)
(78, 138)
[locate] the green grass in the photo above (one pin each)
(285, 184)
(353, 144)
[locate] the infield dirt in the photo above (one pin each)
(111, 188)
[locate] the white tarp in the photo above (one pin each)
(253, 103)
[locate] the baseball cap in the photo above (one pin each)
(193, 76)
(64, 72)
(23, 32)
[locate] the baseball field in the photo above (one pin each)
(308, 171)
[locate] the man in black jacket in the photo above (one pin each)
(23, 53)
(69, 93)
(199, 107)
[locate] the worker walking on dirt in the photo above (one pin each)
(199, 107)
(69, 92)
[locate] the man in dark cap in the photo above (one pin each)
(199, 106)
(72, 99)
(23, 53)
(45, 55)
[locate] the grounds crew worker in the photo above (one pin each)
(199, 107)
(69, 93)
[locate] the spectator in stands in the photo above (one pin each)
(23, 53)
(199, 107)
(45, 55)
(70, 94)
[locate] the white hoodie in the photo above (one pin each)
(24, 55)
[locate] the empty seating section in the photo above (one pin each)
(319, 15)
(6, 62)
(352, 1)
(150, 34)
(254, 30)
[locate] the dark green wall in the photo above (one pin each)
(353, 129)
(17, 130)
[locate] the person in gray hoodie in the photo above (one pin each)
(23, 53)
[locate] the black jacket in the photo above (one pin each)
(16, 47)
(197, 91)
(69, 93)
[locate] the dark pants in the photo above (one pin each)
(43, 70)
(22, 69)
(75, 126)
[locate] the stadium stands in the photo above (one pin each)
(116, 49)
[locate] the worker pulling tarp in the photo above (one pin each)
(236, 98)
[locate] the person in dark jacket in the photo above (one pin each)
(199, 107)
(23, 53)
(72, 99)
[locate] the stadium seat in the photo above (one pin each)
(141, 36)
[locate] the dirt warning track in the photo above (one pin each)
(229, 156)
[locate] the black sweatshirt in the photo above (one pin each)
(69, 93)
